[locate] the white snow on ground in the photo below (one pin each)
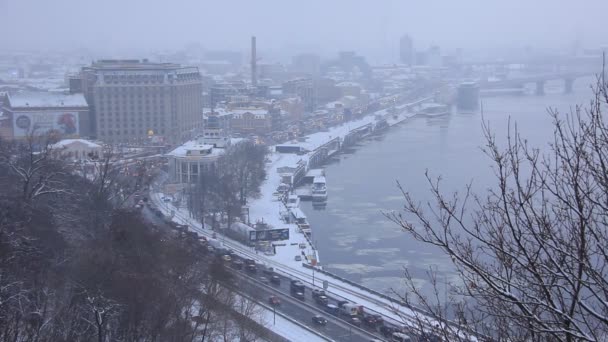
(289, 329)
(269, 208)
(283, 325)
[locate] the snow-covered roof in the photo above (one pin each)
(67, 142)
(46, 99)
(253, 111)
(348, 84)
(319, 179)
(193, 145)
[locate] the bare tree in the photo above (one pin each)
(39, 172)
(531, 253)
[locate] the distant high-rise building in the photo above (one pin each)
(434, 57)
(132, 100)
(302, 87)
(406, 50)
(307, 63)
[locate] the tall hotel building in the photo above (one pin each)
(133, 100)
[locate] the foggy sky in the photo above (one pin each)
(285, 27)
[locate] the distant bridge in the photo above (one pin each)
(539, 80)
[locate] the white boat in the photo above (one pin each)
(319, 189)
(433, 110)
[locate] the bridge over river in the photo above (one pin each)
(539, 80)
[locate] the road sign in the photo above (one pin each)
(269, 235)
(325, 284)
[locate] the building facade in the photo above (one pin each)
(132, 100)
(189, 161)
(41, 113)
(251, 121)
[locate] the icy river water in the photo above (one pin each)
(353, 237)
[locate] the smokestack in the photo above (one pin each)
(254, 77)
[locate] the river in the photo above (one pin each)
(352, 235)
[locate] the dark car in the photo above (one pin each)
(249, 262)
(275, 279)
(428, 337)
(237, 264)
(354, 320)
(269, 271)
(323, 300)
(274, 301)
(340, 303)
(387, 331)
(251, 268)
(320, 320)
(298, 295)
(373, 320)
(332, 309)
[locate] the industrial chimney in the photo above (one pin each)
(254, 76)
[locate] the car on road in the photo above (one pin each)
(341, 303)
(226, 258)
(264, 280)
(317, 292)
(251, 268)
(373, 321)
(354, 320)
(322, 300)
(237, 264)
(298, 295)
(387, 331)
(275, 279)
(298, 258)
(320, 320)
(269, 271)
(274, 301)
(400, 337)
(332, 309)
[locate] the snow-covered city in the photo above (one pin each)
(316, 171)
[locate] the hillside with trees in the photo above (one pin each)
(79, 264)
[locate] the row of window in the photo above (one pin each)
(131, 79)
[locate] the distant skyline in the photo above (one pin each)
(285, 28)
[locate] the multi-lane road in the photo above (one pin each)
(257, 286)
(338, 327)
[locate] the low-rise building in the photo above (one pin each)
(251, 121)
(40, 113)
(191, 159)
(77, 149)
(188, 161)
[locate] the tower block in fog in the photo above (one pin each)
(406, 50)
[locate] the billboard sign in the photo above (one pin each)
(269, 235)
(62, 123)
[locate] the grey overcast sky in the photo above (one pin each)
(284, 27)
